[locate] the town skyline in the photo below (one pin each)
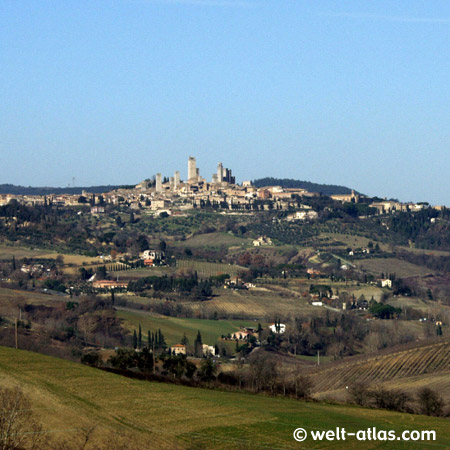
(191, 174)
(350, 94)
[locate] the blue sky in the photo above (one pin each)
(340, 92)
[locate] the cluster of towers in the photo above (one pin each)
(223, 175)
(173, 181)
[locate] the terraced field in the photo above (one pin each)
(135, 414)
(401, 365)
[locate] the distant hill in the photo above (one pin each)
(326, 189)
(22, 190)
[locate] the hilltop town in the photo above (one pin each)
(172, 195)
(261, 287)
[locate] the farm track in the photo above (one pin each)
(427, 359)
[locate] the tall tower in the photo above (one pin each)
(176, 180)
(219, 172)
(158, 182)
(192, 169)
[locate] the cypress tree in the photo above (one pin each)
(135, 339)
(198, 345)
(161, 340)
(140, 337)
(185, 340)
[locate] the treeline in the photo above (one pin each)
(184, 285)
(433, 262)
(428, 228)
(262, 374)
(326, 189)
(429, 401)
(22, 190)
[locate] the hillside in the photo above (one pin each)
(138, 414)
(327, 189)
(392, 368)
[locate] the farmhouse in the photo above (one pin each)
(208, 350)
(240, 335)
(262, 240)
(152, 254)
(178, 349)
(109, 284)
(277, 328)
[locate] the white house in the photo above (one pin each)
(277, 328)
(262, 240)
(386, 283)
(152, 254)
(208, 350)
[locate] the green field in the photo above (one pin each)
(7, 252)
(174, 327)
(254, 304)
(213, 240)
(142, 272)
(67, 397)
(12, 299)
(206, 269)
(352, 240)
(401, 268)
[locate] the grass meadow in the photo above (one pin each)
(173, 328)
(146, 415)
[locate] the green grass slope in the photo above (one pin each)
(67, 396)
(173, 328)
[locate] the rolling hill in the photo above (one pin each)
(395, 369)
(68, 397)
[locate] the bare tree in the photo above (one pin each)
(430, 402)
(18, 428)
(359, 394)
(302, 384)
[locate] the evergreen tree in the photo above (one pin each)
(135, 341)
(198, 345)
(184, 340)
(14, 263)
(161, 341)
(140, 337)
